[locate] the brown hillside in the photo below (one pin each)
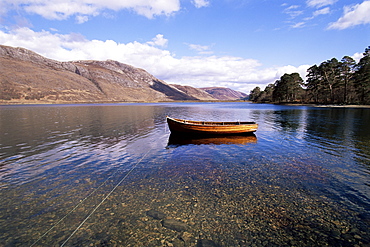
(222, 93)
(194, 92)
(25, 76)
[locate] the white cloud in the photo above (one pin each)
(323, 11)
(234, 72)
(293, 11)
(63, 9)
(201, 49)
(357, 56)
(320, 3)
(200, 3)
(298, 25)
(82, 19)
(198, 47)
(159, 40)
(353, 15)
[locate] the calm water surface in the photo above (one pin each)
(112, 175)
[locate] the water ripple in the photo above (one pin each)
(302, 180)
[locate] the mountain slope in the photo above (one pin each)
(25, 75)
(194, 92)
(222, 93)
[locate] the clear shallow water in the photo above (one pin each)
(112, 175)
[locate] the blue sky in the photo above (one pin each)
(239, 44)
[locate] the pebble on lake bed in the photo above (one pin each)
(175, 225)
(156, 214)
(172, 224)
(206, 243)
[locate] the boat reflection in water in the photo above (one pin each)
(180, 139)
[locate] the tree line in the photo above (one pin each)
(331, 82)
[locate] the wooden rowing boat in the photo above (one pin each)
(210, 128)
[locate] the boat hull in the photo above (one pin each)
(210, 128)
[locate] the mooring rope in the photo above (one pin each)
(88, 196)
(104, 199)
(74, 209)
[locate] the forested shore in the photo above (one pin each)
(332, 82)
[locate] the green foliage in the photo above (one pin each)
(288, 88)
(362, 78)
(323, 81)
(332, 82)
(253, 96)
(347, 69)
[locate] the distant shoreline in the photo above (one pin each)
(39, 102)
(329, 105)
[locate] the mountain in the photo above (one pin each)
(194, 92)
(222, 93)
(27, 77)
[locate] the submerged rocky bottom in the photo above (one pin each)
(199, 205)
(111, 175)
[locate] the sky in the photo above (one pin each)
(239, 44)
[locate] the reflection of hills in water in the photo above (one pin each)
(178, 140)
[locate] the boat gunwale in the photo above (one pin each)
(210, 123)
